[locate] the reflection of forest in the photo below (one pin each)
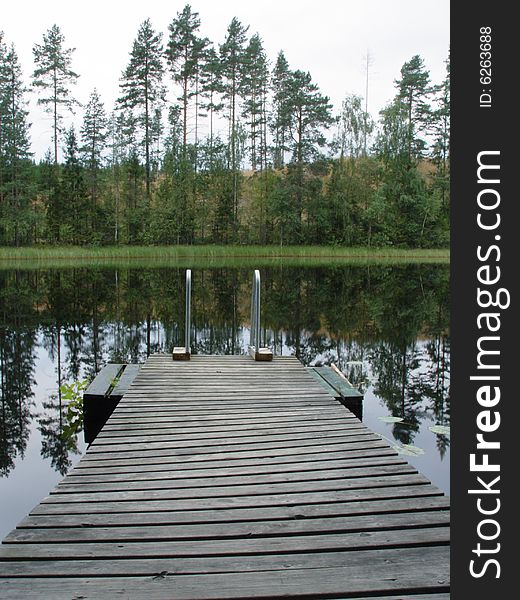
(388, 323)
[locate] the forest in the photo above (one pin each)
(156, 169)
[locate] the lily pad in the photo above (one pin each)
(408, 450)
(390, 419)
(440, 429)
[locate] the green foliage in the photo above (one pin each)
(146, 175)
(72, 396)
(354, 128)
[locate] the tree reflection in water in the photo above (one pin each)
(386, 327)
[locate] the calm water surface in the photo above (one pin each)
(386, 327)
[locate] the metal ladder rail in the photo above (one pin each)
(180, 352)
(255, 349)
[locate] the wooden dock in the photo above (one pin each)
(224, 478)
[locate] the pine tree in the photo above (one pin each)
(402, 191)
(173, 142)
(116, 158)
(185, 53)
(279, 121)
(48, 184)
(156, 136)
(94, 136)
(15, 218)
(4, 104)
(307, 114)
(73, 193)
(141, 85)
(254, 89)
(231, 56)
(413, 90)
(211, 89)
(440, 130)
(53, 76)
(133, 213)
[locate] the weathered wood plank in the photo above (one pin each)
(292, 499)
(228, 515)
(183, 414)
(342, 386)
(214, 419)
(290, 487)
(262, 545)
(190, 451)
(278, 528)
(173, 473)
(189, 455)
(125, 381)
(267, 440)
(206, 587)
(189, 565)
(103, 380)
(165, 463)
(299, 583)
(114, 437)
(112, 428)
(83, 487)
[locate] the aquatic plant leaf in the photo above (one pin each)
(440, 429)
(390, 419)
(408, 450)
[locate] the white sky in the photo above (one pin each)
(329, 38)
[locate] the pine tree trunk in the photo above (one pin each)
(55, 103)
(147, 139)
(233, 155)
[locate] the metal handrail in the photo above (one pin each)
(187, 322)
(254, 340)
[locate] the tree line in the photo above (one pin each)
(214, 143)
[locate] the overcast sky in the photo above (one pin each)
(329, 38)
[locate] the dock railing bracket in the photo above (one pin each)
(184, 352)
(255, 350)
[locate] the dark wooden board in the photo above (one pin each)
(276, 528)
(126, 379)
(103, 380)
(211, 503)
(230, 515)
(343, 387)
(173, 473)
(82, 487)
(195, 565)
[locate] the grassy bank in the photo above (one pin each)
(198, 256)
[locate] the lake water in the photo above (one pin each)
(386, 327)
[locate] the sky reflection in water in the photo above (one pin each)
(386, 327)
